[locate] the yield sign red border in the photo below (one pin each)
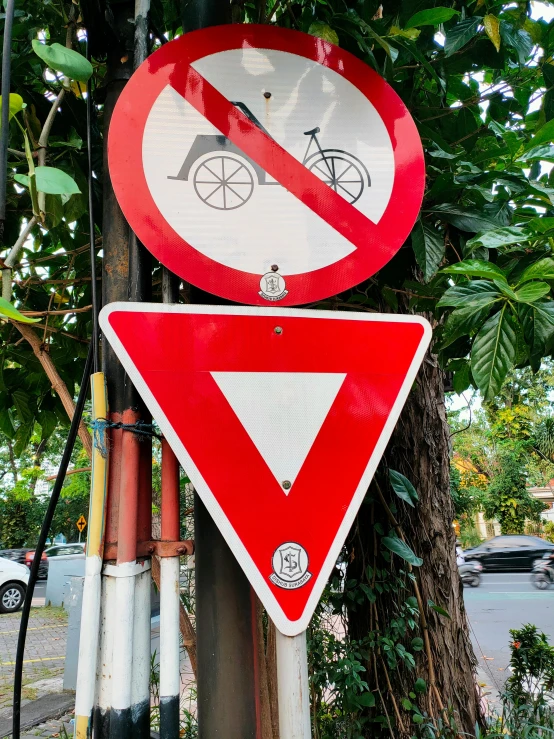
(170, 353)
(375, 244)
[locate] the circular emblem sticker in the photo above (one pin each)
(272, 287)
(290, 566)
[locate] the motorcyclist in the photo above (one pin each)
(460, 558)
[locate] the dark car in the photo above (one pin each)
(21, 556)
(509, 552)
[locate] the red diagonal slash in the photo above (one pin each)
(271, 157)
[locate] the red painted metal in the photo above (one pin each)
(161, 548)
(129, 490)
(172, 65)
(170, 510)
(144, 522)
(114, 439)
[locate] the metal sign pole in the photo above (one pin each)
(292, 686)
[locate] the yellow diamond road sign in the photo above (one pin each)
(81, 523)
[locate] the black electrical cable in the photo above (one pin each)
(45, 530)
(94, 291)
(5, 130)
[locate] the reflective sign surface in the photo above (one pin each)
(257, 410)
(265, 165)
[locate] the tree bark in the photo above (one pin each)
(419, 449)
(57, 383)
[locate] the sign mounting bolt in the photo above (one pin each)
(286, 484)
(267, 95)
(274, 267)
(278, 330)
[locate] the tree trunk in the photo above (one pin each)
(419, 449)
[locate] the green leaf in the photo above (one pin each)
(22, 437)
(438, 609)
(420, 686)
(6, 425)
(532, 291)
(7, 310)
(16, 104)
(492, 29)
(431, 17)
(462, 378)
(541, 270)
(537, 320)
(493, 353)
(64, 60)
(505, 289)
(476, 268)
(366, 699)
(48, 422)
(21, 402)
(417, 644)
(516, 39)
(51, 180)
(322, 30)
(406, 703)
(462, 33)
(403, 487)
(428, 246)
(466, 219)
(463, 321)
(500, 237)
(476, 292)
(545, 135)
(400, 548)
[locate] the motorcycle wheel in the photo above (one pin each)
(540, 581)
(475, 581)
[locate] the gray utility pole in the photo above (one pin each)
(228, 685)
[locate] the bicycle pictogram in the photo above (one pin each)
(226, 179)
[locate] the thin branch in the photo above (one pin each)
(62, 332)
(12, 256)
(58, 385)
(470, 418)
(70, 472)
(38, 281)
(36, 313)
(43, 141)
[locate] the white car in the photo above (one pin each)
(13, 584)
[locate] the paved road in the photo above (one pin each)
(504, 601)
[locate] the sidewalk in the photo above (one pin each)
(44, 655)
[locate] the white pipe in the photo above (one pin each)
(292, 686)
(88, 644)
(123, 616)
(140, 685)
(104, 663)
(170, 680)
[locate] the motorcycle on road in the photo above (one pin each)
(542, 575)
(470, 572)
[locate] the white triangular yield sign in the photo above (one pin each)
(282, 413)
(250, 398)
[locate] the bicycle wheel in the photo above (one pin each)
(341, 173)
(223, 182)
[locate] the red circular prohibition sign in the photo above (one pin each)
(375, 243)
